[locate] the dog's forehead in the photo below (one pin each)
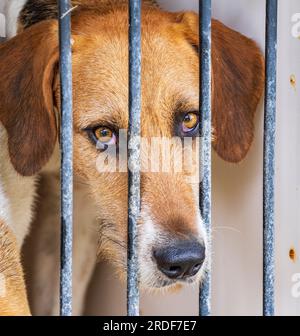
(169, 68)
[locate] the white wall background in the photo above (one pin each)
(237, 195)
(288, 160)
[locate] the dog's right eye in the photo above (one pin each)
(102, 136)
(190, 122)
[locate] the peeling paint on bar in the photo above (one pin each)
(205, 133)
(269, 158)
(66, 158)
(134, 201)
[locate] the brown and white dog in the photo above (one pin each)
(172, 242)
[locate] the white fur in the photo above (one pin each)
(148, 233)
(16, 193)
(150, 236)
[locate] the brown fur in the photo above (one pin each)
(170, 87)
(27, 66)
(237, 80)
(14, 301)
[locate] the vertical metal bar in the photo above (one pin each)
(134, 154)
(269, 158)
(205, 133)
(66, 157)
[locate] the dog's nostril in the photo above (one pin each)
(171, 271)
(175, 268)
(181, 260)
(195, 269)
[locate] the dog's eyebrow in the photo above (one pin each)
(109, 117)
(111, 123)
(184, 105)
(105, 118)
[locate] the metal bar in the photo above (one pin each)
(66, 157)
(205, 133)
(134, 154)
(269, 158)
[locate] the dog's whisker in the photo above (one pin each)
(113, 240)
(229, 228)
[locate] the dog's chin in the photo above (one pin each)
(166, 287)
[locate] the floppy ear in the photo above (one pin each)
(28, 65)
(237, 85)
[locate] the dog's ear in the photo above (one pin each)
(28, 65)
(237, 85)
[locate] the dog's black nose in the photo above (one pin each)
(181, 260)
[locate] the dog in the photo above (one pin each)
(172, 243)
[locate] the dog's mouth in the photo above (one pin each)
(155, 275)
(158, 281)
(165, 283)
(166, 262)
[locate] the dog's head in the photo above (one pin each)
(172, 241)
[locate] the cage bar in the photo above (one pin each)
(134, 154)
(205, 134)
(269, 158)
(66, 142)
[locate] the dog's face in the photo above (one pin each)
(173, 247)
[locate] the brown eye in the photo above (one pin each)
(190, 122)
(105, 135)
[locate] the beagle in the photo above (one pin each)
(172, 244)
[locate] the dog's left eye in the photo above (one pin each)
(190, 123)
(105, 136)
